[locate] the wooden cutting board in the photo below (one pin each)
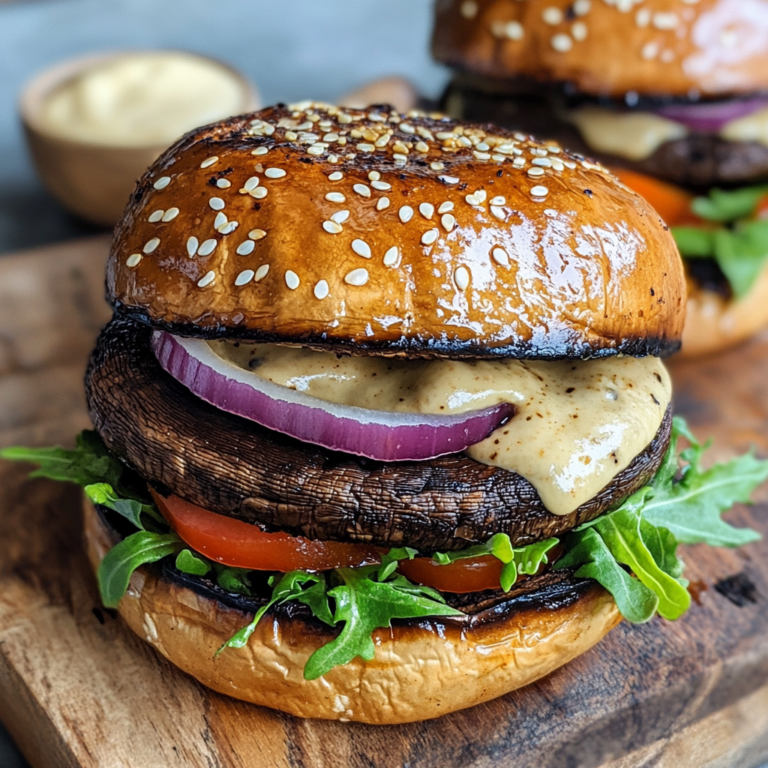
(77, 689)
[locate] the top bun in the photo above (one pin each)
(376, 233)
(611, 47)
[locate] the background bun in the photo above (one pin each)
(608, 48)
(416, 674)
(376, 232)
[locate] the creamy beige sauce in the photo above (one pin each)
(634, 135)
(577, 424)
(142, 99)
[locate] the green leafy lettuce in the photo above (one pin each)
(737, 242)
(632, 551)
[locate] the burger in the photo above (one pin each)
(381, 428)
(671, 94)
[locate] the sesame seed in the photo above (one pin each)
(519, 162)
(162, 182)
(228, 228)
(513, 30)
(448, 220)
(321, 289)
(192, 244)
(665, 20)
(216, 203)
(362, 189)
(469, 9)
(292, 280)
(445, 207)
(579, 31)
(500, 256)
(422, 147)
(427, 210)
(405, 213)
(151, 245)
(335, 197)
(366, 147)
(340, 216)
(539, 191)
(261, 273)
(535, 172)
(170, 214)
(544, 162)
(481, 155)
(361, 248)
(382, 186)
(156, 216)
(316, 150)
(406, 128)
(374, 176)
(209, 162)
(461, 276)
(392, 257)
(245, 247)
(498, 212)
(650, 50)
(251, 184)
(257, 234)
(244, 277)
(274, 173)
(259, 193)
(430, 236)
(260, 151)
(357, 277)
(552, 16)
(382, 203)
(332, 227)
(561, 43)
(449, 179)
(581, 7)
(207, 247)
(331, 137)
(133, 260)
(499, 200)
(336, 176)
(445, 135)
(219, 221)
(400, 158)
(223, 183)
(206, 279)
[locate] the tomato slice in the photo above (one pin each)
(242, 545)
(471, 575)
(672, 203)
(761, 211)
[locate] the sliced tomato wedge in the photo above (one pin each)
(242, 545)
(672, 203)
(471, 575)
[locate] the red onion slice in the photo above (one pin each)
(710, 117)
(380, 435)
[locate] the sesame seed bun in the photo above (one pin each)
(610, 47)
(379, 233)
(715, 323)
(422, 669)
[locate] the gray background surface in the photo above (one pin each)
(292, 50)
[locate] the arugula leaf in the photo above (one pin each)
(89, 463)
(130, 509)
(124, 558)
(691, 508)
(635, 601)
(516, 560)
(364, 605)
(390, 559)
(722, 205)
(694, 242)
(187, 562)
(233, 579)
(291, 586)
(741, 253)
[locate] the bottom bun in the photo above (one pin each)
(422, 669)
(714, 323)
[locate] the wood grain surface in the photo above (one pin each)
(77, 689)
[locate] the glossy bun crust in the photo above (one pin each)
(374, 232)
(611, 47)
(421, 670)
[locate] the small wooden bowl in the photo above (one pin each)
(91, 180)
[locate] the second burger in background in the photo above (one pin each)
(673, 92)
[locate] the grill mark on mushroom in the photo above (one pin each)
(235, 467)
